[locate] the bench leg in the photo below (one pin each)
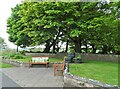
(47, 65)
(29, 65)
(54, 72)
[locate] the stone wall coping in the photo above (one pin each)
(86, 80)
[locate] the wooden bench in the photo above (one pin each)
(39, 60)
(58, 67)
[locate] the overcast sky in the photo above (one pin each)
(5, 12)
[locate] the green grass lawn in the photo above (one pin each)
(26, 60)
(106, 72)
(55, 59)
(4, 65)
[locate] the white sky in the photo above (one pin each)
(5, 12)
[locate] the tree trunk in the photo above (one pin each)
(86, 48)
(66, 49)
(77, 47)
(54, 48)
(17, 48)
(93, 48)
(47, 47)
(57, 49)
(104, 49)
(54, 44)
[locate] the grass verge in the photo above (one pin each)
(5, 65)
(106, 72)
(55, 59)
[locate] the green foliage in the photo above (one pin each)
(12, 54)
(1, 40)
(75, 33)
(7, 52)
(56, 60)
(18, 57)
(71, 51)
(3, 45)
(78, 56)
(15, 27)
(22, 52)
(48, 23)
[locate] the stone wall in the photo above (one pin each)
(100, 57)
(15, 63)
(75, 81)
(41, 54)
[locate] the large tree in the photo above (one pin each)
(48, 23)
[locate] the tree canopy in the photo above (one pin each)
(81, 24)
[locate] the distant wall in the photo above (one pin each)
(41, 54)
(58, 55)
(100, 57)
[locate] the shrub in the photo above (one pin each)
(7, 52)
(18, 57)
(22, 52)
(78, 55)
(71, 51)
(11, 55)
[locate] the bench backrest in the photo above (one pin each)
(58, 66)
(40, 59)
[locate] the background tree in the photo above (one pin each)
(3, 45)
(15, 27)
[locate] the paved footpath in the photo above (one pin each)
(30, 77)
(7, 82)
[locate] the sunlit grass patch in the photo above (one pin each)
(106, 72)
